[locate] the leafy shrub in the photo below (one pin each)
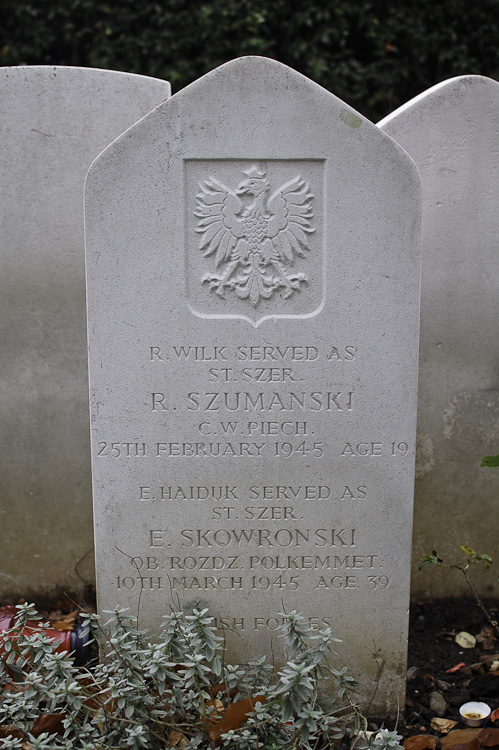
(175, 692)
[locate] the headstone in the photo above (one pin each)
(252, 276)
(54, 122)
(452, 133)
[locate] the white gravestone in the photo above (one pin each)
(253, 291)
(54, 122)
(452, 133)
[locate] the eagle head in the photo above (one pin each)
(256, 184)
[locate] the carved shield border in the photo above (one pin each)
(227, 199)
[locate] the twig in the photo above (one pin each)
(493, 623)
(380, 663)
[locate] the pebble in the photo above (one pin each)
(412, 673)
(438, 704)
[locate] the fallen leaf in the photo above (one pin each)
(456, 668)
(48, 723)
(234, 716)
(221, 687)
(494, 716)
(15, 687)
(96, 698)
(217, 707)
(177, 739)
(465, 640)
(10, 729)
(66, 624)
(442, 725)
(420, 742)
(486, 638)
(470, 745)
(489, 737)
(488, 658)
(459, 737)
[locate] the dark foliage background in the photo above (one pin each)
(373, 54)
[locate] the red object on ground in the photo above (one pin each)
(456, 668)
(7, 620)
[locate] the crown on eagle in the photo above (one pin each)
(254, 171)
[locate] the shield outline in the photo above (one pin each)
(192, 251)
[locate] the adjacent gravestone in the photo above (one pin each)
(452, 133)
(54, 122)
(253, 272)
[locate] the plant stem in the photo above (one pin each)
(494, 624)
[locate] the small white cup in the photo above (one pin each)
(475, 713)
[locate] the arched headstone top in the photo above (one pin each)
(270, 105)
(448, 92)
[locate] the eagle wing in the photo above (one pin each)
(220, 228)
(290, 225)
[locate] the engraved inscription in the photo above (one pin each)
(232, 493)
(260, 559)
(253, 403)
(399, 449)
(269, 354)
(266, 538)
(254, 236)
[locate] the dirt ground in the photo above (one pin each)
(433, 651)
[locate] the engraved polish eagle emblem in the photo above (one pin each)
(254, 235)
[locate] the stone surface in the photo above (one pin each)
(452, 133)
(253, 292)
(54, 122)
(438, 705)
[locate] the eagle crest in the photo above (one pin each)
(254, 236)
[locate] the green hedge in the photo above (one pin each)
(374, 55)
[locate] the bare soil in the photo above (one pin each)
(433, 651)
